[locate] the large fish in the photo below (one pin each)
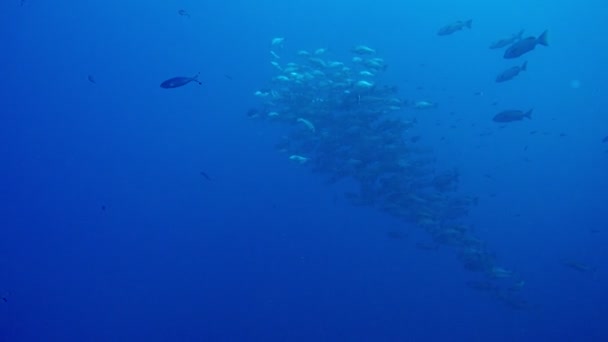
(507, 41)
(454, 27)
(179, 81)
(512, 115)
(511, 72)
(526, 45)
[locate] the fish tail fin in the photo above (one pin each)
(529, 114)
(524, 66)
(195, 78)
(468, 23)
(543, 39)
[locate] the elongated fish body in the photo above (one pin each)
(454, 27)
(526, 45)
(499, 44)
(511, 72)
(512, 115)
(179, 81)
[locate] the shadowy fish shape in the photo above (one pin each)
(578, 266)
(205, 175)
(179, 81)
(183, 13)
(512, 115)
(511, 72)
(91, 79)
(454, 27)
(526, 45)
(605, 139)
(507, 41)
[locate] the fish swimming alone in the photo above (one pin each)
(526, 45)
(179, 81)
(424, 105)
(454, 27)
(512, 115)
(507, 41)
(511, 72)
(605, 139)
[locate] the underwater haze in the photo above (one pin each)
(344, 171)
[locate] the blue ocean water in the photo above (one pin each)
(131, 212)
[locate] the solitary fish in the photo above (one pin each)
(179, 81)
(578, 266)
(605, 139)
(91, 79)
(507, 41)
(183, 13)
(512, 115)
(454, 27)
(526, 45)
(511, 72)
(205, 175)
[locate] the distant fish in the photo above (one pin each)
(483, 286)
(605, 139)
(183, 13)
(511, 72)
(526, 45)
(507, 41)
(424, 105)
(253, 113)
(512, 115)
(91, 79)
(454, 27)
(396, 235)
(21, 3)
(179, 81)
(205, 175)
(578, 266)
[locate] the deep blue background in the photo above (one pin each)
(266, 251)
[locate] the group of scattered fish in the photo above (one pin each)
(516, 47)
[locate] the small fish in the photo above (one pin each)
(424, 105)
(526, 45)
(426, 246)
(396, 235)
(507, 41)
(578, 266)
(228, 77)
(91, 79)
(205, 175)
(483, 286)
(22, 3)
(253, 113)
(179, 81)
(605, 139)
(511, 72)
(183, 13)
(512, 115)
(454, 27)
(103, 208)
(4, 299)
